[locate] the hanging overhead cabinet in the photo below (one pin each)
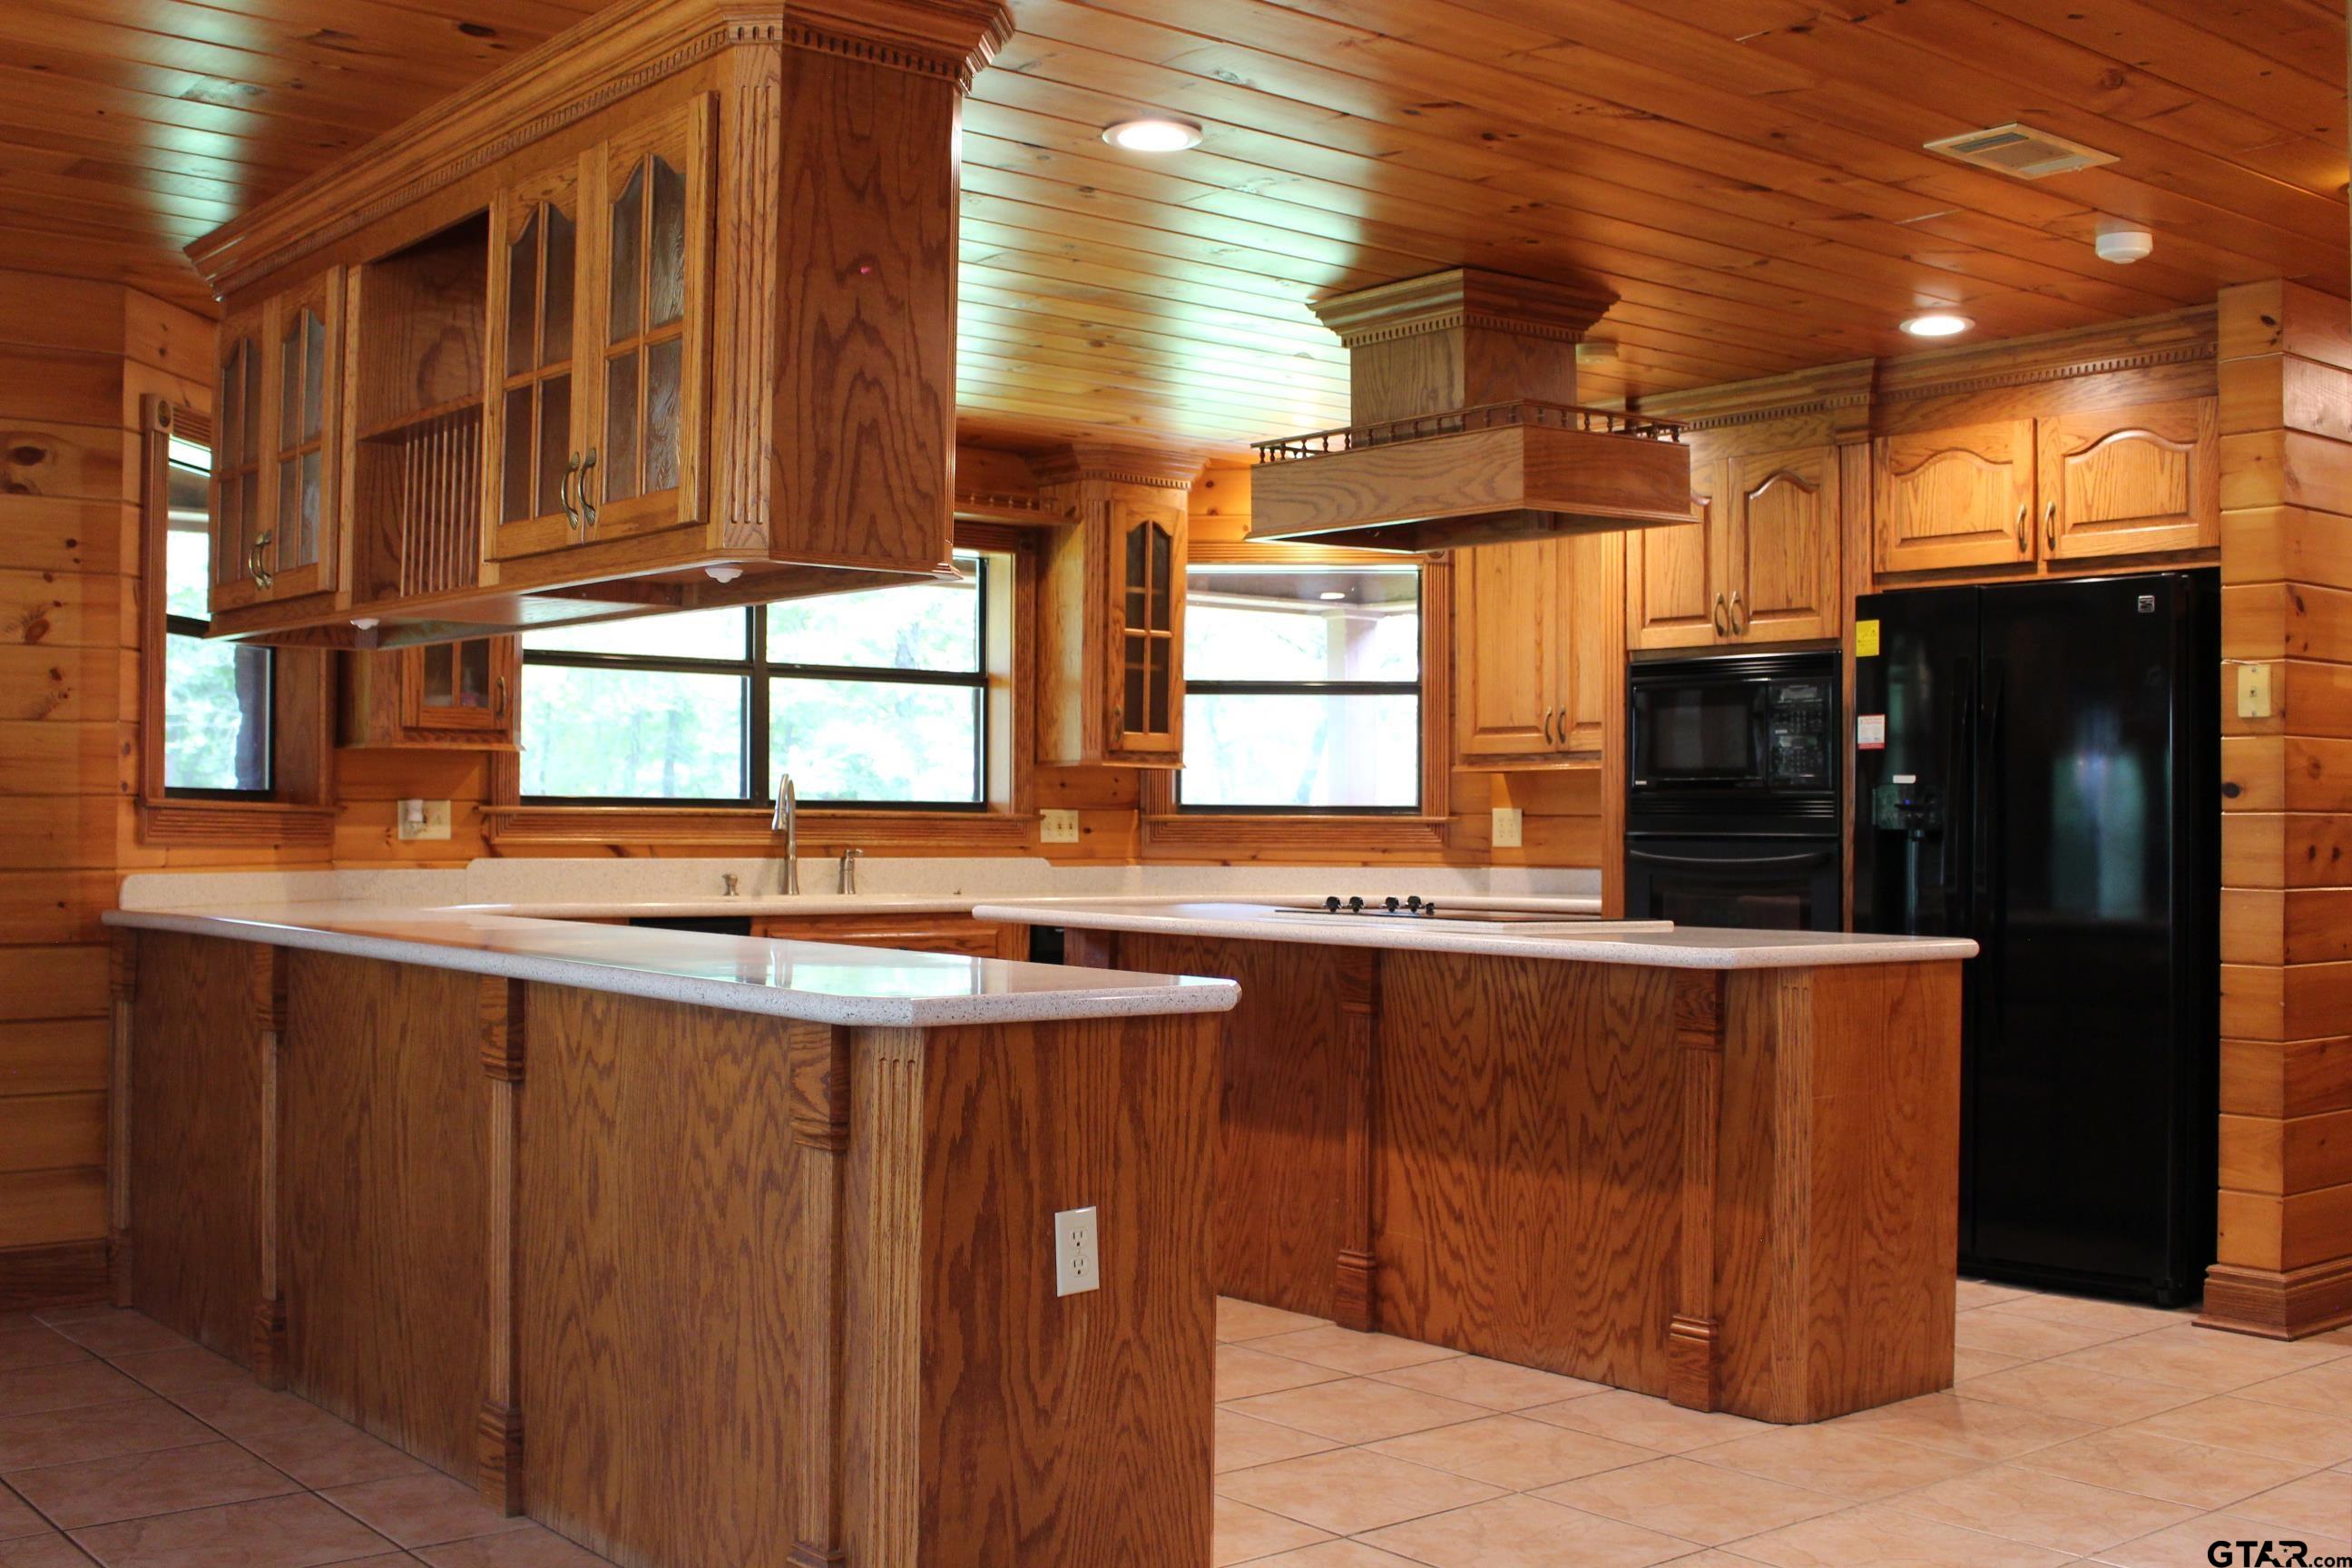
(648, 320)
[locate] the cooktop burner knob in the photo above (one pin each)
(1355, 906)
(1391, 904)
(1413, 904)
(1331, 904)
(1430, 909)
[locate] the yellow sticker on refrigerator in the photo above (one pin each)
(1865, 639)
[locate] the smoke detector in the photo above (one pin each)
(2122, 243)
(2020, 149)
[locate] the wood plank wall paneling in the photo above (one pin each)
(2285, 1226)
(77, 360)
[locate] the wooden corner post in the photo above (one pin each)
(498, 1476)
(1691, 1360)
(820, 1119)
(269, 1004)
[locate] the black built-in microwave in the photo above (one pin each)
(1744, 733)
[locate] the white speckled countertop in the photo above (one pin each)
(821, 983)
(1688, 947)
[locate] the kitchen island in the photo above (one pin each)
(1720, 1166)
(698, 1249)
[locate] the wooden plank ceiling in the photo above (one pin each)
(1746, 175)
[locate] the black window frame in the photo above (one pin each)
(759, 671)
(1414, 689)
(199, 628)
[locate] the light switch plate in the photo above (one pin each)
(2253, 691)
(1056, 826)
(1077, 1261)
(423, 819)
(1509, 823)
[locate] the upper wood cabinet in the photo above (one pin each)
(1110, 623)
(1675, 595)
(1759, 565)
(276, 534)
(444, 695)
(1537, 648)
(2135, 480)
(1958, 497)
(1781, 539)
(540, 364)
(2128, 481)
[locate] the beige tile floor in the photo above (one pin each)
(2079, 1431)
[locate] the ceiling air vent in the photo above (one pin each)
(2021, 150)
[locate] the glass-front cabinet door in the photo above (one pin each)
(237, 569)
(461, 688)
(537, 437)
(275, 489)
(643, 468)
(1147, 567)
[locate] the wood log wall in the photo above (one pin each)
(2285, 1242)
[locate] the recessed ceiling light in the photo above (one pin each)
(1332, 594)
(1153, 135)
(1937, 324)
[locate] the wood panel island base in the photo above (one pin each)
(701, 1250)
(1721, 1167)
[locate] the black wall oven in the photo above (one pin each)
(1732, 790)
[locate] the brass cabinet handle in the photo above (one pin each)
(2024, 539)
(1547, 727)
(587, 507)
(563, 493)
(2049, 528)
(1738, 626)
(1720, 629)
(500, 707)
(262, 576)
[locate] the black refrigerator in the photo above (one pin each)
(2038, 766)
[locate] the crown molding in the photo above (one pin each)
(1820, 389)
(1119, 462)
(1464, 297)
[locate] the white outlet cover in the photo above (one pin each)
(1077, 1259)
(1510, 825)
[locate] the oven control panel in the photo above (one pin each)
(1797, 734)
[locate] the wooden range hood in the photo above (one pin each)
(1468, 431)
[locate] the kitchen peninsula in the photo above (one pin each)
(1720, 1166)
(699, 1249)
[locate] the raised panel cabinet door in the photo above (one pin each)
(2126, 481)
(536, 416)
(642, 469)
(299, 545)
(1957, 496)
(1674, 595)
(1784, 545)
(1592, 598)
(1509, 649)
(241, 501)
(1146, 616)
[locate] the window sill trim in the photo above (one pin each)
(237, 824)
(735, 825)
(1195, 833)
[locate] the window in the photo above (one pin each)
(216, 695)
(874, 697)
(1302, 688)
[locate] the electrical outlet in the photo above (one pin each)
(1054, 826)
(423, 819)
(1509, 820)
(2253, 691)
(1077, 1263)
